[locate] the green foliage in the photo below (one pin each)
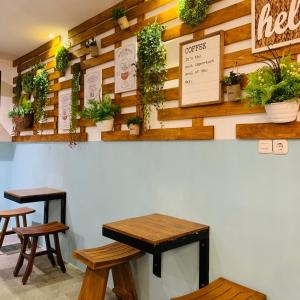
(18, 88)
(135, 121)
(100, 110)
(232, 79)
(274, 83)
(74, 101)
(27, 82)
(151, 68)
(192, 12)
(118, 13)
(22, 109)
(38, 66)
(41, 86)
(62, 59)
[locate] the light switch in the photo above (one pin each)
(280, 147)
(265, 147)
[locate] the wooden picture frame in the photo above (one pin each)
(216, 66)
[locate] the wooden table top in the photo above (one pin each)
(155, 228)
(27, 193)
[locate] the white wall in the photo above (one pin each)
(7, 75)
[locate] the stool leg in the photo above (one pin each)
(58, 254)
(94, 284)
(21, 257)
(49, 251)
(124, 287)
(30, 260)
(25, 225)
(3, 232)
(18, 225)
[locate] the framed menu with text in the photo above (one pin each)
(201, 70)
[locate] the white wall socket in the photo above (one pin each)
(265, 146)
(280, 147)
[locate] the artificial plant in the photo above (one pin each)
(62, 59)
(136, 120)
(18, 88)
(118, 13)
(193, 12)
(23, 108)
(27, 83)
(151, 68)
(233, 78)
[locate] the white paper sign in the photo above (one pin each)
(125, 73)
(64, 109)
(200, 70)
(92, 85)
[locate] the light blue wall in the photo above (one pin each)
(251, 202)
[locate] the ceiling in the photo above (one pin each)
(27, 24)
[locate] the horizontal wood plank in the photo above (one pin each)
(80, 137)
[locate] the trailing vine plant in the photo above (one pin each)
(193, 12)
(74, 102)
(27, 83)
(151, 69)
(62, 59)
(18, 89)
(41, 87)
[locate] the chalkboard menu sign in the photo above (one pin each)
(201, 70)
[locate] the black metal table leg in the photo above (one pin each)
(204, 261)
(63, 210)
(46, 212)
(157, 265)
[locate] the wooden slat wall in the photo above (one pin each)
(137, 9)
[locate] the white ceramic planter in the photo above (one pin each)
(234, 92)
(283, 112)
(123, 23)
(106, 125)
(134, 129)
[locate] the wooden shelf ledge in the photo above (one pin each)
(170, 134)
(80, 137)
(268, 131)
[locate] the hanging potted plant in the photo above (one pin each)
(119, 16)
(277, 87)
(102, 113)
(92, 45)
(134, 125)
(62, 59)
(233, 85)
(22, 114)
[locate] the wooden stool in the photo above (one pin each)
(99, 261)
(222, 289)
(35, 232)
(17, 213)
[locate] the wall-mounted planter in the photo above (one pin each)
(283, 112)
(22, 123)
(234, 92)
(106, 125)
(123, 23)
(94, 51)
(134, 129)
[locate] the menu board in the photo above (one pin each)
(201, 68)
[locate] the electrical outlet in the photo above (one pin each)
(265, 147)
(280, 147)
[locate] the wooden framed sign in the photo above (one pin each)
(201, 70)
(275, 23)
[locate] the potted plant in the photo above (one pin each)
(92, 45)
(62, 59)
(134, 125)
(277, 87)
(233, 85)
(22, 114)
(119, 16)
(101, 112)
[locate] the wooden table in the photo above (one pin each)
(158, 233)
(40, 195)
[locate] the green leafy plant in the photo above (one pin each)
(193, 12)
(134, 121)
(100, 110)
(62, 59)
(151, 68)
(277, 82)
(118, 13)
(76, 68)
(233, 78)
(90, 43)
(41, 87)
(22, 109)
(27, 83)
(18, 88)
